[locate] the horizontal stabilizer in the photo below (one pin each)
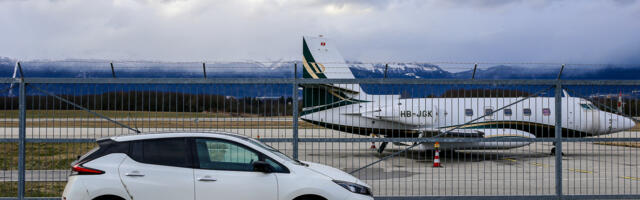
(329, 87)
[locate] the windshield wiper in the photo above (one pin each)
(301, 163)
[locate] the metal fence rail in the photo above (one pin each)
(47, 122)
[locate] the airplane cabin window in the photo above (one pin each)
(488, 111)
(546, 111)
(468, 112)
(526, 112)
(507, 112)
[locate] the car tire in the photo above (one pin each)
(108, 197)
(309, 197)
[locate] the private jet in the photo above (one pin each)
(348, 108)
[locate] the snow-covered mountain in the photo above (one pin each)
(398, 70)
(285, 69)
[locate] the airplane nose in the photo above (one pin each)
(625, 124)
(630, 124)
(615, 123)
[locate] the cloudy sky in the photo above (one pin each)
(579, 31)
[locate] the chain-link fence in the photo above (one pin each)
(496, 138)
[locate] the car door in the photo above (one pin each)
(225, 171)
(159, 169)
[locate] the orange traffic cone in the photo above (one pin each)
(436, 159)
(436, 156)
(373, 144)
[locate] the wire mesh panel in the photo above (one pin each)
(104, 110)
(405, 138)
(389, 139)
(63, 120)
(606, 163)
(8, 144)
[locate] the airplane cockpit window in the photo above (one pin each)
(526, 112)
(468, 112)
(585, 106)
(588, 106)
(508, 112)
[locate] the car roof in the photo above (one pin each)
(158, 135)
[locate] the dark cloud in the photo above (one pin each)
(625, 2)
(483, 3)
(395, 30)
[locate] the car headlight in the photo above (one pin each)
(353, 187)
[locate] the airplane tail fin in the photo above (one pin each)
(15, 73)
(321, 60)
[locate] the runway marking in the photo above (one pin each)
(581, 171)
(539, 164)
(510, 159)
(630, 178)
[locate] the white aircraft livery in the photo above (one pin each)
(347, 108)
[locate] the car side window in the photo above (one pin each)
(169, 152)
(276, 167)
(223, 155)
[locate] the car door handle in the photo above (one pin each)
(207, 179)
(134, 173)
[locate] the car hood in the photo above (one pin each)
(334, 173)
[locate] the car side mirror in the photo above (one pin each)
(262, 166)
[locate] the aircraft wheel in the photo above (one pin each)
(553, 152)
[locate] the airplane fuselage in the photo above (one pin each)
(392, 116)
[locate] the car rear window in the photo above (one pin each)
(84, 157)
(105, 148)
(169, 152)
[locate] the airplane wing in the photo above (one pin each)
(448, 132)
(329, 88)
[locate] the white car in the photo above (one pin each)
(202, 166)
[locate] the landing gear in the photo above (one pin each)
(553, 150)
(382, 146)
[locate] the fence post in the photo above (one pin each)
(558, 138)
(295, 110)
(21, 138)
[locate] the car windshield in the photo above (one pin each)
(275, 151)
